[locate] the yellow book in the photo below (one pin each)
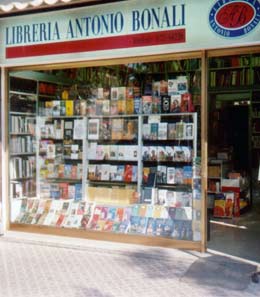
(69, 107)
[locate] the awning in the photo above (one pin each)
(10, 6)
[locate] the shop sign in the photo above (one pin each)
(230, 18)
(155, 25)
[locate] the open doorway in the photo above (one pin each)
(233, 187)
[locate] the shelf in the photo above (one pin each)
(22, 154)
(102, 182)
(20, 134)
(214, 177)
(22, 178)
(22, 113)
(23, 93)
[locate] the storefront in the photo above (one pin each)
(105, 116)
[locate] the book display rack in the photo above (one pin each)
(114, 151)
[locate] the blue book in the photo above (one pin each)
(78, 191)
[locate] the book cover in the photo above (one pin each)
(50, 151)
(113, 108)
(151, 227)
(152, 153)
(161, 174)
(178, 175)
(91, 150)
(113, 152)
(147, 104)
(64, 190)
(172, 87)
(146, 131)
(172, 131)
(170, 175)
(99, 107)
(138, 225)
(105, 172)
(130, 106)
(183, 213)
(93, 129)
(106, 107)
(187, 175)
(121, 150)
(56, 108)
(105, 129)
(154, 127)
(189, 131)
(79, 129)
(182, 84)
(128, 173)
(83, 107)
(117, 127)
(130, 129)
(134, 173)
(114, 93)
(71, 192)
(131, 154)
(175, 106)
(76, 107)
(186, 103)
(121, 106)
(137, 105)
(78, 191)
(165, 103)
(180, 130)
(169, 153)
(69, 107)
(162, 131)
(161, 153)
(156, 88)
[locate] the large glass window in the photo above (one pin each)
(110, 148)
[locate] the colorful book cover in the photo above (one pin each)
(78, 191)
(69, 107)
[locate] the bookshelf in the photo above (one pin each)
(22, 137)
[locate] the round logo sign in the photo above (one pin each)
(230, 18)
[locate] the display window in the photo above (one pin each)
(111, 148)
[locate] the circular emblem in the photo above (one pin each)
(230, 18)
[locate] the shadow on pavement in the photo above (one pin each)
(212, 271)
(220, 272)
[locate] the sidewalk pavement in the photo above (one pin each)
(33, 265)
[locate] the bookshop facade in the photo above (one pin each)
(104, 115)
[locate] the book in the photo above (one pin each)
(162, 131)
(180, 130)
(69, 107)
(161, 174)
(79, 129)
(188, 130)
(128, 173)
(170, 175)
(186, 103)
(117, 127)
(147, 104)
(165, 103)
(105, 129)
(138, 225)
(93, 129)
(175, 106)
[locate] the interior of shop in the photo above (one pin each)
(234, 155)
